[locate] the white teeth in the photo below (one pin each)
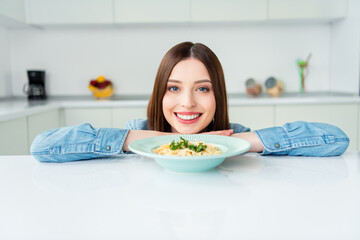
(188, 117)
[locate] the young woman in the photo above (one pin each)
(189, 96)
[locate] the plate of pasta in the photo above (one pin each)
(189, 152)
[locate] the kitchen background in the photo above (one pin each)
(125, 40)
(75, 41)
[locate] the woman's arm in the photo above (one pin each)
(253, 139)
(84, 142)
(77, 143)
(298, 139)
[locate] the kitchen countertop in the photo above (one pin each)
(130, 197)
(14, 107)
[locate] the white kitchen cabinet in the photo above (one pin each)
(358, 136)
(14, 137)
(155, 11)
(307, 9)
(254, 117)
(342, 115)
(228, 10)
(70, 12)
(52, 12)
(13, 9)
(40, 122)
(5, 68)
(97, 117)
(122, 115)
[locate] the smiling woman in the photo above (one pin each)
(189, 97)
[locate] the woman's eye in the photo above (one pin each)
(173, 89)
(203, 89)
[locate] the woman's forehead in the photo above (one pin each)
(195, 81)
(189, 69)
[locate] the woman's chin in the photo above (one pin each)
(187, 131)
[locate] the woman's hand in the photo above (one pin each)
(256, 144)
(228, 132)
(134, 135)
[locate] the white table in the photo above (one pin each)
(131, 197)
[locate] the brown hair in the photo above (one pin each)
(181, 51)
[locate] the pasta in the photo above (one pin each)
(186, 148)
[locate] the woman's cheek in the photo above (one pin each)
(167, 103)
(210, 103)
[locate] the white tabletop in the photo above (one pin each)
(131, 197)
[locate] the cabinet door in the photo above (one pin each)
(228, 10)
(14, 137)
(38, 123)
(144, 11)
(97, 117)
(122, 115)
(307, 9)
(254, 117)
(342, 115)
(70, 12)
(13, 9)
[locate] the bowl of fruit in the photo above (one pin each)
(101, 87)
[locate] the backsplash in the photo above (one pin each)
(129, 56)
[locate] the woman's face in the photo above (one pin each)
(189, 102)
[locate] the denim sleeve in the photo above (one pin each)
(238, 128)
(304, 139)
(136, 124)
(78, 143)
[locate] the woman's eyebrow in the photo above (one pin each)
(203, 80)
(198, 81)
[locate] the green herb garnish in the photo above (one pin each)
(185, 144)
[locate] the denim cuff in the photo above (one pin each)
(275, 141)
(110, 141)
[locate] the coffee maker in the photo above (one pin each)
(35, 89)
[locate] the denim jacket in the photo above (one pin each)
(85, 142)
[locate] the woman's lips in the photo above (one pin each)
(187, 121)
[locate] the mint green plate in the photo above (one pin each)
(230, 146)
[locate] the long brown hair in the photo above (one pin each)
(181, 51)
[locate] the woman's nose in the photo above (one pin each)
(188, 100)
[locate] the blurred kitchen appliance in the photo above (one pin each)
(35, 89)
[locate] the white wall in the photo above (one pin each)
(5, 85)
(130, 56)
(345, 51)
(13, 9)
